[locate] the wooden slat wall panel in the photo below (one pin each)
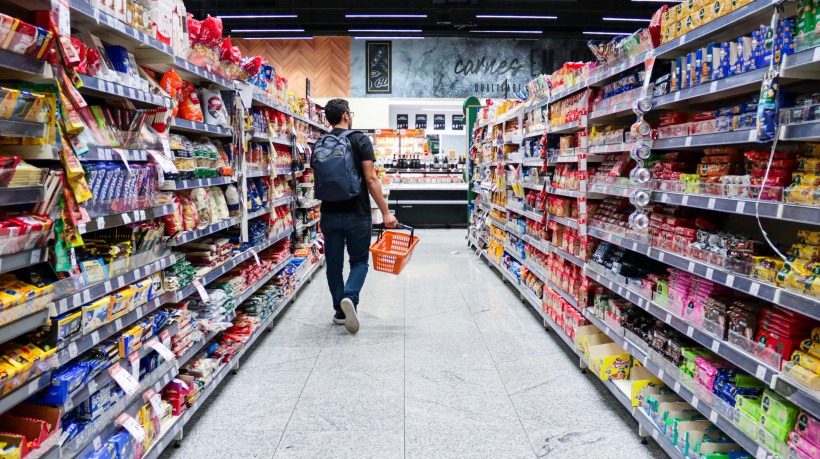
(325, 60)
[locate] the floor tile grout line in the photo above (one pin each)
(492, 359)
(324, 342)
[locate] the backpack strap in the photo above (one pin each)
(347, 133)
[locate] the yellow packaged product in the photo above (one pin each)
(741, 3)
(812, 286)
(693, 5)
(130, 341)
(669, 17)
(808, 165)
(121, 302)
(806, 361)
(803, 178)
(8, 102)
(799, 194)
(806, 377)
(695, 19)
(811, 347)
(766, 268)
(682, 11)
(805, 252)
(96, 313)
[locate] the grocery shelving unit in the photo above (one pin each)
(72, 293)
(798, 66)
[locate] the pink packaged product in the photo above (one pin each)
(802, 445)
(706, 370)
(808, 427)
(693, 310)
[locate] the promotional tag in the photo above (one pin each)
(255, 256)
(201, 290)
(155, 400)
(165, 337)
(127, 383)
(161, 349)
(132, 426)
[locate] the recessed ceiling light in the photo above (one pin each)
(506, 31)
(278, 38)
(266, 30)
(627, 19)
(385, 15)
(606, 33)
(512, 16)
(388, 38)
(258, 16)
(385, 30)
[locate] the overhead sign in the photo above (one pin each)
(402, 121)
(439, 122)
(421, 121)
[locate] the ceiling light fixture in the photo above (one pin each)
(385, 30)
(388, 38)
(627, 19)
(507, 31)
(258, 16)
(512, 16)
(266, 30)
(278, 38)
(606, 33)
(385, 16)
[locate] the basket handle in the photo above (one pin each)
(380, 227)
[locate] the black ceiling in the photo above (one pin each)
(444, 17)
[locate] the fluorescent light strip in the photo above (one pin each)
(385, 15)
(385, 30)
(259, 16)
(512, 16)
(606, 33)
(507, 31)
(266, 30)
(388, 38)
(627, 19)
(277, 38)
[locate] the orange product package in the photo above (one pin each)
(172, 83)
(189, 107)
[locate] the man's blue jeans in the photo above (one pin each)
(353, 231)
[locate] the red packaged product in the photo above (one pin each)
(705, 224)
(668, 119)
(253, 65)
(194, 28)
(703, 116)
(721, 151)
(719, 159)
(93, 62)
(781, 173)
(210, 32)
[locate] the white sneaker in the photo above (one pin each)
(351, 320)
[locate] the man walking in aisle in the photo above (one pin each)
(343, 168)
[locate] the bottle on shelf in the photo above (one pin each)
(395, 162)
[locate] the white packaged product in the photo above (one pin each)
(213, 108)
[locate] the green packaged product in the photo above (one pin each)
(777, 409)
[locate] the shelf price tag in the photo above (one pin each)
(132, 426)
(255, 256)
(127, 383)
(165, 338)
(134, 358)
(163, 351)
(201, 290)
(155, 400)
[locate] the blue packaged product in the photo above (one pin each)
(62, 384)
(111, 178)
(728, 57)
(745, 55)
(686, 72)
(92, 407)
(766, 47)
(122, 176)
(767, 108)
(697, 68)
(784, 39)
(118, 56)
(122, 444)
(97, 187)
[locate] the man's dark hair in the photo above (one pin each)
(334, 110)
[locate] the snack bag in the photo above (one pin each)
(189, 108)
(172, 83)
(252, 65)
(213, 108)
(211, 31)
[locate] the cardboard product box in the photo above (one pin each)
(709, 450)
(35, 423)
(671, 418)
(652, 395)
(610, 361)
(670, 16)
(689, 439)
(640, 378)
(744, 55)
(728, 60)
(594, 340)
(682, 429)
(584, 331)
(658, 412)
(15, 446)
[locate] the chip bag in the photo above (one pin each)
(189, 107)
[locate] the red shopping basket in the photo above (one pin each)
(392, 250)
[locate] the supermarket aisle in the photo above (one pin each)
(448, 363)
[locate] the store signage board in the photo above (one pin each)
(379, 67)
(458, 122)
(402, 120)
(439, 122)
(421, 121)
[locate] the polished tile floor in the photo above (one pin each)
(448, 363)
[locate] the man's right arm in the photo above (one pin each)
(374, 186)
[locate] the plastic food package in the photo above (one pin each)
(213, 108)
(173, 221)
(189, 108)
(203, 209)
(190, 217)
(211, 31)
(194, 28)
(232, 199)
(252, 65)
